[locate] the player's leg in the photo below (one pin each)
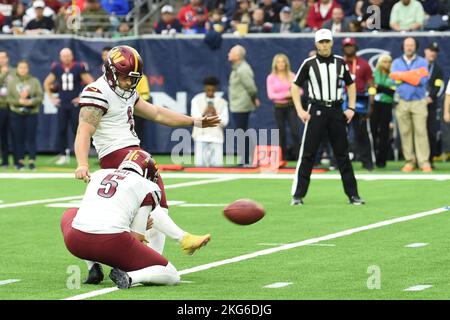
(63, 117)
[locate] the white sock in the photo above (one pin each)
(164, 223)
(166, 275)
(156, 239)
(90, 264)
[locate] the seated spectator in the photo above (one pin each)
(355, 26)
(41, 24)
(30, 13)
(287, 24)
(271, 11)
(94, 19)
(119, 7)
(337, 22)
(14, 23)
(217, 21)
(193, 17)
(64, 23)
(6, 7)
(243, 14)
(367, 17)
(124, 30)
(300, 11)
(320, 12)
(168, 24)
(407, 15)
(258, 24)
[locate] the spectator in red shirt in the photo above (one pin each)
(193, 16)
(320, 12)
(362, 75)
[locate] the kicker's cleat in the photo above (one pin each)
(120, 278)
(191, 242)
(95, 274)
(296, 201)
(355, 200)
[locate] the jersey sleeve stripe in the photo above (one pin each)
(94, 101)
(93, 97)
(92, 89)
(94, 105)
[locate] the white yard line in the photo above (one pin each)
(280, 176)
(419, 287)
(277, 285)
(3, 282)
(172, 186)
(282, 248)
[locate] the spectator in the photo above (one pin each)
(25, 97)
(258, 25)
(287, 25)
(320, 12)
(355, 26)
(337, 22)
(55, 5)
(362, 75)
(278, 84)
(123, 31)
(41, 24)
(6, 74)
(167, 24)
(64, 21)
(30, 13)
(119, 7)
(209, 141)
(348, 7)
(271, 11)
(382, 111)
(411, 110)
(94, 19)
(242, 15)
(216, 21)
(193, 17)
(407, 15)
(299, 12)
(242, 94)
(435, 90)
(14, 23)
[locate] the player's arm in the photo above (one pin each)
(88, 123)
(49, 80)
(171, 118)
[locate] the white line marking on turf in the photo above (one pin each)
(204, 205)
(416, 245)
(285, 247)
(171, 186)
(3, 282)
(286, 176)
(419, 287)
(186, 281)
(313, 244)
(278, 285)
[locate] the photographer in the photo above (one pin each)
(24, 97)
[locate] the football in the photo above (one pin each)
(244, 211)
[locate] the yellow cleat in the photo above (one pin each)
(191, 242)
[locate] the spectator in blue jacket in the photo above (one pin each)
(119, 7)
(411, 110)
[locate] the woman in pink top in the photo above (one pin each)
(278, 90)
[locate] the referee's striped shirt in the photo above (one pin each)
(324, 76)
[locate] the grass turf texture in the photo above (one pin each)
(32, 248)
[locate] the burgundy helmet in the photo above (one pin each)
(142, 163)
(126, 61)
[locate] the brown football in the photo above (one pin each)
(244, 211)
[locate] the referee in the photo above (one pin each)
(324, 74)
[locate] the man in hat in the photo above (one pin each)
(435, 90)
(41, 24)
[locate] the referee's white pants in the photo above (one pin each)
(208, 154)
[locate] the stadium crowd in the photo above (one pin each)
(113, 18)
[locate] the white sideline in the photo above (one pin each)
(282, 176)
(170, 186)
(280, 248)
(3, 282)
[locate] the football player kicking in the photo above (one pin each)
(107, 108)
(110, 224)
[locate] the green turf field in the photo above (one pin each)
(367, 264)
